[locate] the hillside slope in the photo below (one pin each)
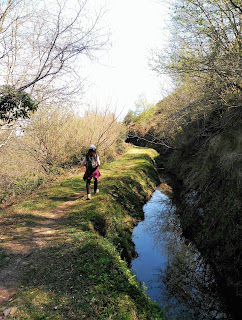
(72, 254)
(204, 152)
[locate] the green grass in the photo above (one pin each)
(3, 261)
(83, 272)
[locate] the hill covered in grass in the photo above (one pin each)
(200, 143)
(72, 255)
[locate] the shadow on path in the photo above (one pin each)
(19, 241)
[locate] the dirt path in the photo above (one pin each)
(23, 248)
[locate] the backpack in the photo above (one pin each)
(91, 162)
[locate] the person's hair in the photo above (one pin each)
(91, 152)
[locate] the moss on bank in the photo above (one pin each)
(82, 273)
(210, 204)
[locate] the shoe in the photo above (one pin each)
(97, 191)
(89, 196)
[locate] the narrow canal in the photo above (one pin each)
(171, 269)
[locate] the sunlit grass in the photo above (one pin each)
(83, 272)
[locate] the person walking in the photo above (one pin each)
(92, 162)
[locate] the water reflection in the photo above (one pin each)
(173, 271)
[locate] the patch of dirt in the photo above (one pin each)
(21, 248)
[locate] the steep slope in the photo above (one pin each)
(202, 147)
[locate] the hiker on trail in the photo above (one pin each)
(92, 163)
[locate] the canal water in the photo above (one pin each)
(172, 271)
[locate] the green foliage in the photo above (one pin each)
(141, 123)
(15, 104)
(142, 105)
(139, 119)
(204, 60)
(145, 115)
(129, 118)
(206, 43)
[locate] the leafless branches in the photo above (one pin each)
(236, 6)
(42, 42)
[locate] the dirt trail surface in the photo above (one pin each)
(21, 243)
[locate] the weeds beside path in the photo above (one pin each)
(63, 257)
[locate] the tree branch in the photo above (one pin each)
(235, 5)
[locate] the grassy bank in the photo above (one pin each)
(79, 267)
(210, 205)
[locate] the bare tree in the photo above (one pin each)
(45, 40)
(42, 47)
(56, 137)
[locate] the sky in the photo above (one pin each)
(123, 74)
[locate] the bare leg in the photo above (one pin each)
(95, 186)
(88, 186)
